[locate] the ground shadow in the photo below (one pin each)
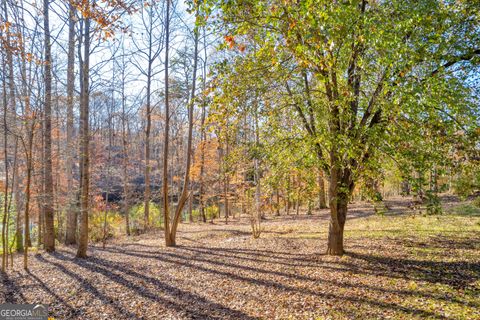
(183, 302)
(264, 281)
(458, 274)
(12, 293)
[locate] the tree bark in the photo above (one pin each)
(9, 206)
(340, 187)
(5, 191)
(166, 211)
(257, 178)
(84, 146)
(28, 155)
(147, 194)
(203, 134)
(26, 98)
(186, 180)
(18, 207)
(126, 191)
(49, 232)
(71, 228)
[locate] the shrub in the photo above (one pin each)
(196, 215)
(137, 216)
(212, 212)
(115, 223)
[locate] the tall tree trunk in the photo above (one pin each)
(147, 194)
(15, 184)
(28, 155)
(28, 148)
(40, 217)
(109, 159)
(186, 180)
(9, 207)
(105, 221)
(25, 96)
(203, 134)
(10, 102)
(5, 191)
(56, 189)
(49, 232)
(166, 211)
(201, 195)
(126, 191)
(258, 192)
(84, 146)
(18, 207)
(71, 228)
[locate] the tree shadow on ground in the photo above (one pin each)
(457, 274)
(261, 278)
(89, 287)
(12, 293)
(461, 270)
(181, 301)
(69, 310)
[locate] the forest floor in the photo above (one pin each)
(402, 265)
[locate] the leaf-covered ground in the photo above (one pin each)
(398, 266)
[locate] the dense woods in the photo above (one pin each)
(157, 121)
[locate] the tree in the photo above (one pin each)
(351, 70)
(150, 51)
(30, 124)
(166, 211)
(171, 230)
(71, 228)
(126, 189)
(84, 142)
(105, 23)
(5, 189)
(49, 233)
(203, 135)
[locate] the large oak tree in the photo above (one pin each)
(351, 71)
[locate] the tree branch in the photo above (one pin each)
(466, 57)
